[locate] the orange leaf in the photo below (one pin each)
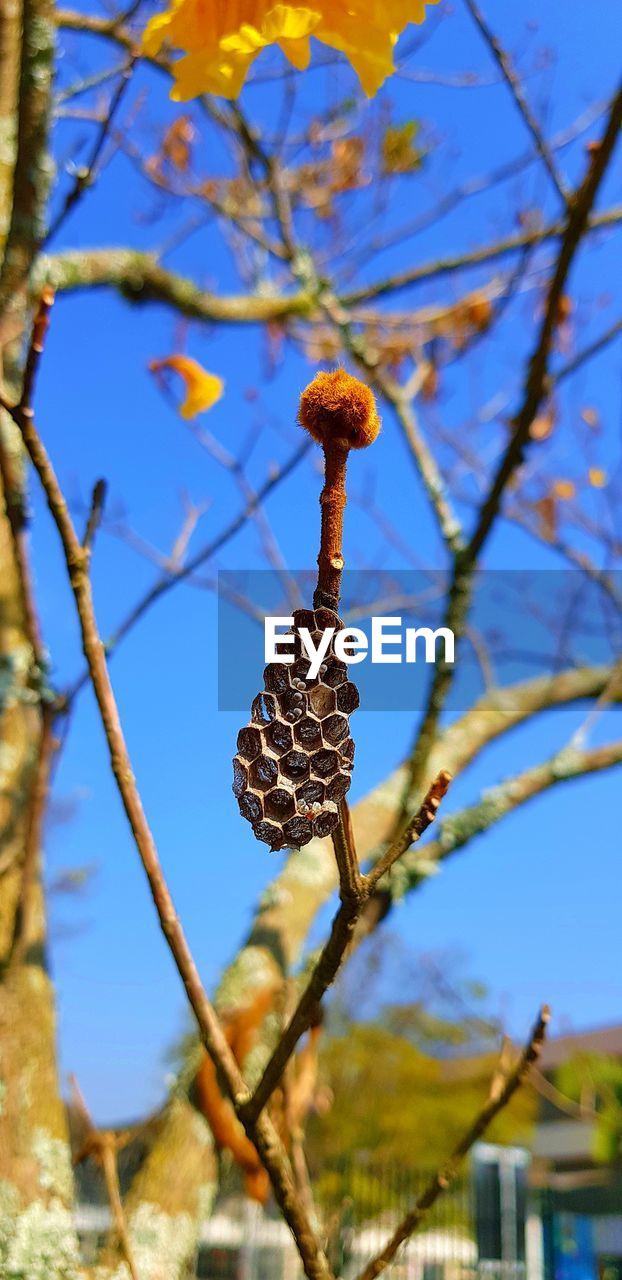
(597, 477)
(564, 489)
(542, 426)
(203, 389)
(177, 143)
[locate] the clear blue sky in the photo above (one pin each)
(534, 905)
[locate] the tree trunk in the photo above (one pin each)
(37, 1238)
(36, 1233)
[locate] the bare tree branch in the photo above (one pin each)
(475, 257)
(586, 353)
(167, 580)
(511, 78)
(536, 388)
(498, 1099)
(537, 376)
(460, 828)
(86, 175)
(140, 279)
(331, 958)
(102, 1146)
(475, 186)
(262, 1132)
(412, 832)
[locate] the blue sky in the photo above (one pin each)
(533, 905)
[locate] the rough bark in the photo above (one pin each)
(37, 1238)
(171, 1194)
(10, 20)
(36, 1233)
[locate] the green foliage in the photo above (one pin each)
(594, 1081)
(394, 1105)
(403, 1080)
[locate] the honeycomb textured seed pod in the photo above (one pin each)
(294, 759)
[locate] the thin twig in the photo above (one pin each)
(365, 249)
(498, 1098)
(235, 466)
(172, 576)
(400, 399)
(536, 388)
(592, 349)
(26, 930)
(102, 1146)
(350, 879)
(85, 175)
(432, 479)
(40, 327)
(86, 85)
(12, 484)
(324, 973)
(96, 511)
(412, 832)
(460, 828)
(475, 257)
(503, 62)
(536, 385)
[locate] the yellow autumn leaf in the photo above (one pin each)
(564, 489)
(221, 41)
(597, 477)
(203, 389)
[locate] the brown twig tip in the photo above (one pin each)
(412, 831)
(42, 318)
(337, 409)
(437, 791)
(40, 327)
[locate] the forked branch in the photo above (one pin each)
(261, 1133)
(502, 1091)
(102, 1146)
(332, 956)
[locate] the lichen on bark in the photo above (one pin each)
(37, 1242)
(170, 1195)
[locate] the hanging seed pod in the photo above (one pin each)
(294, 760)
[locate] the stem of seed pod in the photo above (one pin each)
(332, 502)
(340, 413)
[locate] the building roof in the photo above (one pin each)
(600, 1040)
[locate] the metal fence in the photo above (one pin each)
(475, 1231)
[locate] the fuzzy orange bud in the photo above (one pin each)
(337, 409)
